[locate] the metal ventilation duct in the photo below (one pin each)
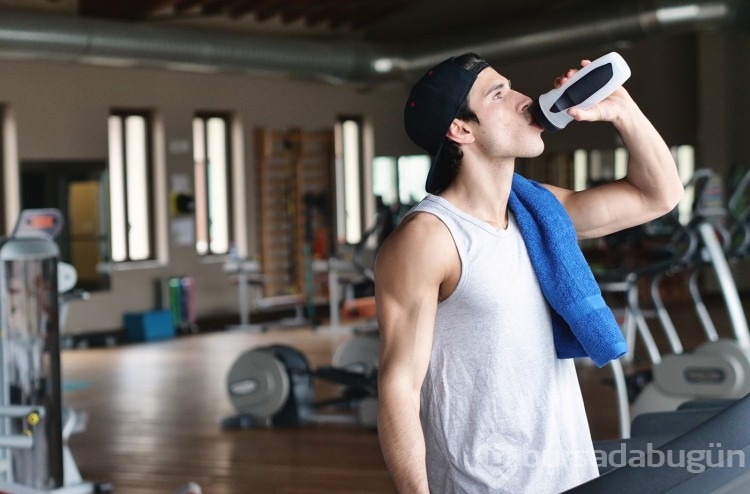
(117, 43)
(606, 24)
(44, 36)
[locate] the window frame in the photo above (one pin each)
(346, 237)
(228, 196)
(148, 118)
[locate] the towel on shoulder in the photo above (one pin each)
(583, 325)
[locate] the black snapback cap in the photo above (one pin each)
(433, 103)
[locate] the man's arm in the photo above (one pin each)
(652, 186)
(408, 275)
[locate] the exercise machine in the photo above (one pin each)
(74, 421)
(34, 456)
(671, 248)
(716, 369)
(708, 207)
(273, 386)
(351, 277)
(709, 456)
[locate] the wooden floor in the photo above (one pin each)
(154, 413)
(154, 422)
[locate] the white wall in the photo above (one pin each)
(61, 113)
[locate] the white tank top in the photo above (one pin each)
(500, 412)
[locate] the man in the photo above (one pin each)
(472, 395)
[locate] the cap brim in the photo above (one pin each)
(437, 179)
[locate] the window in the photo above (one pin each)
(213, 192)
(596, 166)
(385, 179)
(351, 180)
(684, 157)
(400, 179)
(130, 186)
(412, 174)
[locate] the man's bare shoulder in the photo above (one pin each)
(420, 239)
(421, 228)
(424, 222)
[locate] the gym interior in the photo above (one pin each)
(192, 194)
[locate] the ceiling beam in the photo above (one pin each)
(181, 6)
(269, 9)
(213, 7)
(248, 6)
(360, 20)
(130, 10)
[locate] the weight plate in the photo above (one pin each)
(360, 353)
(258, 384)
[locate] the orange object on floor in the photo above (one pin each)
(358, 308)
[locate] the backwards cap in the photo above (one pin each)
(433, 103)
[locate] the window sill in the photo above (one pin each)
(113, 267)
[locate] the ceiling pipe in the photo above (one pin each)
(575, 30)
(45, 36)
(76, 39)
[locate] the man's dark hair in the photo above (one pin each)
(450, 158)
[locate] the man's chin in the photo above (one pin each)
(533, 153)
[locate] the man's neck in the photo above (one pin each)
(482, 192)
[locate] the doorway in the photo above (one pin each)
(78, 189)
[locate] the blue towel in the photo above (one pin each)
(583, 325)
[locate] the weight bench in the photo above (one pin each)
(281, 303)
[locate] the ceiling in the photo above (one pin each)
(339, 40)
(373, 20)
(333, 15)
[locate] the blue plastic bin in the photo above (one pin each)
(149, 326)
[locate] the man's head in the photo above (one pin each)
(438, 98)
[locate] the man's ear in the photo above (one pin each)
(460, 132)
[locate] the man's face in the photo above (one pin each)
(506, 129)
